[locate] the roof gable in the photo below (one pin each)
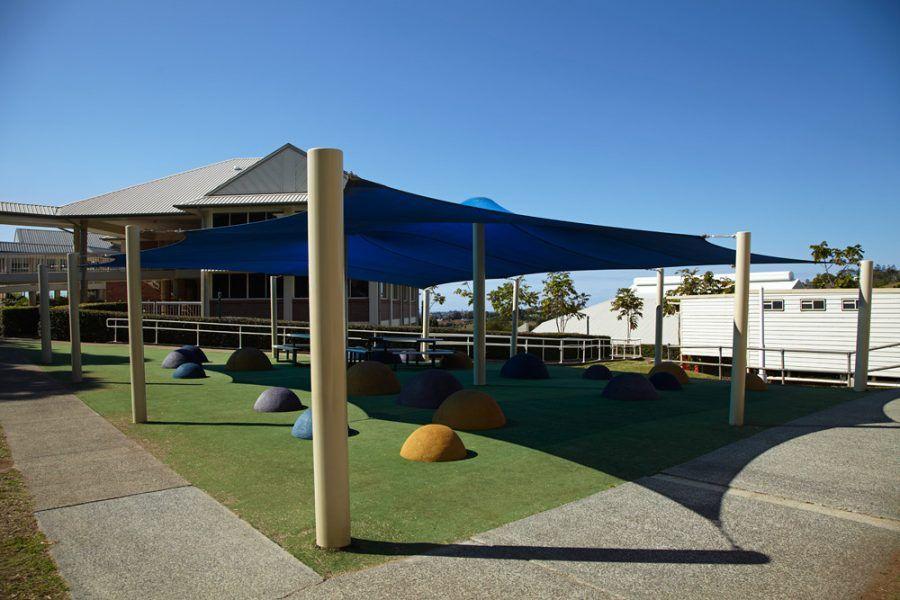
(281, 172)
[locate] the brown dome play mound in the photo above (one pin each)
(433, 443)
(470, 410)
(371, 378)
(248, 359)
(457, 360)
(755, 383)
(673, 369)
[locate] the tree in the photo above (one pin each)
(697, 285)
(465, 291)
(436, 297)
(560, 300)
(886, 276)
(501, 299)
(630, 307)
(844, 261)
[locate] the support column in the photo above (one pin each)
(739, 339)
(863, 327)
(205, 276)
(287, 313)
(479, 373)
(44, 291)
(135, 323)
(73, 268)
(328, 354)
(514, 333)
(660, 299)
(79, 241)
(374, 304)
(273, 310)
(426, 316)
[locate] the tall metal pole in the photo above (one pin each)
(273, 310)
(73, 266)
(863, 327)
(44, 291)
(479, 373)
(514, 333)
(135, 323)
(328, 367)
(739, 339)
(660, 299)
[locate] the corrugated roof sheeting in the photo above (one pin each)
(160, 196)
(20, 248)
(283, 171)
(29, 209)
(56, 237)
(247, 199)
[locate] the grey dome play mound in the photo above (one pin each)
(524, 366)
(456, 361)
(630, 387)
(597, 372)
(196, 354)
(428, 389)
(278, 399)
(189, 371)
(176, 358)
(248, 359)
(665, 382)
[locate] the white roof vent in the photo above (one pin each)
(238, 168)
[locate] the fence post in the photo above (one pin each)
(720, 363)
(849, 369)
(561, 351)
(782, 367)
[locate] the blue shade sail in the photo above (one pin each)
(398, 237)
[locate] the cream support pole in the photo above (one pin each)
(44, 290)
(514, 330)
(273, 310)
(863, 327)
(135, 323)
(739, 339)
(328, 353)
(660, 299)
(762, 334)
(73, 268)
(479, 373)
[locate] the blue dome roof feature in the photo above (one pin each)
(485, 203)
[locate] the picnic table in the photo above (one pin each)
(432, 353)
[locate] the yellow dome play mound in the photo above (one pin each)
(371, 378)
(433, 443)
(248, 359)
(470, 410)
(755, 383)
(456, 361)
(673, 369)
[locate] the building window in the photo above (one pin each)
(773, 304)
(359, 288)
(812, 304)
(256, 286)
(239, 218)
(849, 304)
(19, 265)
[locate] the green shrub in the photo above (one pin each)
(20, 321)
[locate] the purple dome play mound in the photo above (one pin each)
(189, 371)
(630, 387)
(176, 358)
(195, 353)
(665, 382)
(278, 399)
(597, 372)
(428, 389)
(524, 366)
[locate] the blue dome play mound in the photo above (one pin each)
(524, 366)
(665, 382)
(302, 428)
(630, 387)
(189, 371)
(176, 358)
(597, 372)
(195, 353)
(428, 389)
(278, 399)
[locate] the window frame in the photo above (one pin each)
(855, 302)
(771, 302)
(813, 301)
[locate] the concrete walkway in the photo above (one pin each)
(123, 523)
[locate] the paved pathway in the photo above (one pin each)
(810, 509)
(125, 525)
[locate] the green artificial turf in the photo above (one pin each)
(563, 441)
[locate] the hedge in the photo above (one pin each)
(20, 321)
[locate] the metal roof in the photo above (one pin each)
(38, 210)
(20, 248)
(160, 196)
(246, 200)
(56, 237)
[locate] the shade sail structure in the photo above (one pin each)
(398, 237)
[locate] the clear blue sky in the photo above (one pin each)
(782, 118)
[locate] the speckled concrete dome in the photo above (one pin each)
(196, 353)
(428, 389)
(277, 399)
(433, 443)
(630, 387)
(189, 371)
(755, 383)
(524, 366)
(248, 359)
(176, 358)
(371, 378)
(673, 369)
(456, 361)
(597, 372)
(665, 382)
(470, 410)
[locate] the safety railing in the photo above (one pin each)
(626, 349)
(781, 367)
(171, 308)
(561, 350)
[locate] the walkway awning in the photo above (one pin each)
(398, 237)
